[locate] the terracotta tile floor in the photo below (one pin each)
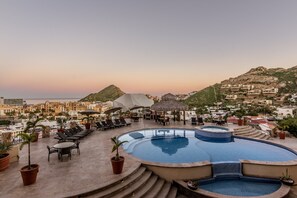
(89, 170)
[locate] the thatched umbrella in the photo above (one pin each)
(170, 104)
(89, 112)
(112, 110)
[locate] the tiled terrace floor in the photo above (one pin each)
(87, 171)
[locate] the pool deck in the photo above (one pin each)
(85, 172)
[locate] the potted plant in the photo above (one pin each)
(193, 185)
(282, 134)
(61, 122)
(31, 127)
(4, 155)
(117, 161)
(29, 172)
(286, 179)
(88, 123)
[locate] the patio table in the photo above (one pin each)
(64, 145)
(64, 148)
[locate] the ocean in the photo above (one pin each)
(43, 100)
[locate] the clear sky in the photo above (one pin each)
(70, 48)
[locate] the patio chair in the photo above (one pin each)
(50, 151)
(64, 151)
(76, 146)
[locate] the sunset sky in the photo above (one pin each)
(69, 48)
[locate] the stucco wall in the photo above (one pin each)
(269, 169)
(181, 172)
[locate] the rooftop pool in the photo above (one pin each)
(187, 146)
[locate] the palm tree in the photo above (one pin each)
(27, 139)
(32, 125)
(116, 144)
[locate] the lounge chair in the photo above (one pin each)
(50, 151)
(76, 131)
(106, 125)
(69, 134)
(194, 121)
(100, 126)
(64, 138)
(123, 121)
(200, 121)
(111, 124)
(118, 122)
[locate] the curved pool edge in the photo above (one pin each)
(251, 168)
(182, 187)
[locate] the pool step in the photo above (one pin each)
(226, 169)
(250, 132)
(141, 183)
(172, 192)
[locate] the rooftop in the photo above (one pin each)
(85, 172)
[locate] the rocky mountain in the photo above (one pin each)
(262, 78)
(257, 85)
(109, 93)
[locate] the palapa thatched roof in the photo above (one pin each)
(169, 96)
(169, 105)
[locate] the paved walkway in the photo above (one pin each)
(87, 171)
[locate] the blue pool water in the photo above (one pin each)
(241, 187)
(185, 146)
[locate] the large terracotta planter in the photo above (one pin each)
(240, 122)
(282, 135)
(61, 130)
(29, 176)
(117, 165)
(4, 162)
(88, 126)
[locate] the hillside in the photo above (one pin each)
(207, 96)
(262, 78)
(109, 93)
(256, 86)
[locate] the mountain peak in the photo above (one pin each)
(258, 69)
(109, 93)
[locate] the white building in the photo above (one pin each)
(231, 97)
(285, 111)
(270, 91)
(254, 92)
(247, 87)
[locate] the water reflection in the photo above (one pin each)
(170, 145)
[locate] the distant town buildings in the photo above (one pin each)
(12, 101)
(249, 94)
